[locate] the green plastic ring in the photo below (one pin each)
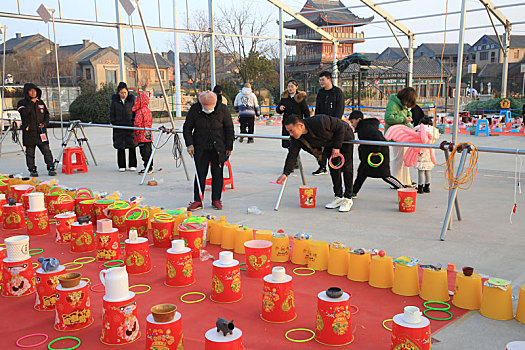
(80, 265)
(301, 340)
(375, 165)
(385, 321)
(437, 308)
(141, 285)
(90, 260)
(192, 301)
(438, 319)
(39, 250)
(62, 338)
(241, 265)
(312, 271)
(107, 263)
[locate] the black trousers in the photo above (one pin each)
(345, 173)
(145, 153)
(121, 157)
(203, 160)
(247, 125)
(46, 152)
(361, 177)
(324, 160)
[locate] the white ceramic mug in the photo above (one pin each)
(116, 282)
(17, 248)
(36, 201)
(278, 274)
(412, 314)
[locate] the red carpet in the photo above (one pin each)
(18, 317)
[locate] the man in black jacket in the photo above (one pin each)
(330, 101)
(327, 133)
(208, 133)
(35, 120)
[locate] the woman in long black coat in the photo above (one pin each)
(292, 102)
(121, 113)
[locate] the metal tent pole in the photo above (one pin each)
(58, 76)
(121, 61)
(281, 52)
(212, 45)
(459, 71)
(505, 73)
(176, 61)
(3, 29)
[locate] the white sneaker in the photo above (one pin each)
(336, 203)
(346, 205)
(133, 169)
(122, 170)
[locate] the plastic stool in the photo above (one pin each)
(227, 180)
(381, 272)
(485, 130)
(80, 160)
(496, 302)
(508, 115)
(434, 285)
(406, 280)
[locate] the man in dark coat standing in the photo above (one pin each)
(208, 134)
(327, 133)
(121, 114)
(375, 160)
(330, 101)
(35, 120)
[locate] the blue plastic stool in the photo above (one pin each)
(508, 115)
(485, 130)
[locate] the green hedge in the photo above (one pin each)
(92, 105)
(495, 104)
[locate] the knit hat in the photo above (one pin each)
(208, 100)
(122, 85)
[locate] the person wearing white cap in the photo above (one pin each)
(208, 134)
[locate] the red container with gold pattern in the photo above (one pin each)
(162, 227)
(108, 245)
(82, 238)
(217, 341)
(333, 325)
(117, 213)
(140, 225)
(4, 187)
(192, 233)
(22, 189)
(179, 268)
(18, 278)
(410, 335)
(63, 227)
(120, 323)
(68, 204)
(278, 303)
(50, 202)
(3, 201)
(86, 207)
(37, 222)
(13, 217)
(46, 288)
(137, 256)
(164, 335)
(258, 256)
(73, 308)
(100, 208)
(2, 257)
(226, 282)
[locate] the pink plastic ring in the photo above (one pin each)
(340, 165)
(32, 335)
(97, 290)
(356, 309)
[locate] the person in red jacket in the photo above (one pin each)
(144, 138)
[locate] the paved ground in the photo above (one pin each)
(484, 239)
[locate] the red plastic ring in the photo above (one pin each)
(96, 290)
(356, 309)
(338, 166)
(32, 335)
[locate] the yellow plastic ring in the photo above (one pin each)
(87, 279)
(385, 321)
(73, 268)
(192, 301)
(312, 271)
(90, 260)
(35, 265)
(299, 340)
(375, 165)
(141, 285)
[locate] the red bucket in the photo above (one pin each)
(406, 198)
(307, 196)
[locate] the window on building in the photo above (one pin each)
(132, 74)
(111, 76)
(88, 73)
(493, 57)
(163, 75)
(516, 54)
(483, 56)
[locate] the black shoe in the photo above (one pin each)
(426, 188)
(52, 172)
(241, 139)
(320, 171)
(251, 141)
(419, 188)
(33, 173)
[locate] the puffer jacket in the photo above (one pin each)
(292, 105)
(246, 103)
(396, 113)
(35, 117)
(143, 119)
(368, 129)
(424, 162)
(122, 114)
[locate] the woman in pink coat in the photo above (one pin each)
(143, 119)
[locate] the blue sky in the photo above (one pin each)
(84, 9)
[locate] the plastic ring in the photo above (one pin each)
(32, 335)
(338, 166)
(299, 340)
(73, 268)
(141, 285)
(192, 301)
(312, 271)
(385, 321)
(438, 319)
(39, 250)
(92, 288)
(356, 309)
(437, 308)
(35, 265)
(375, 165)
(62, 338)
(107, 263)
(90, 260)
(241, 265)
(87, 279)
